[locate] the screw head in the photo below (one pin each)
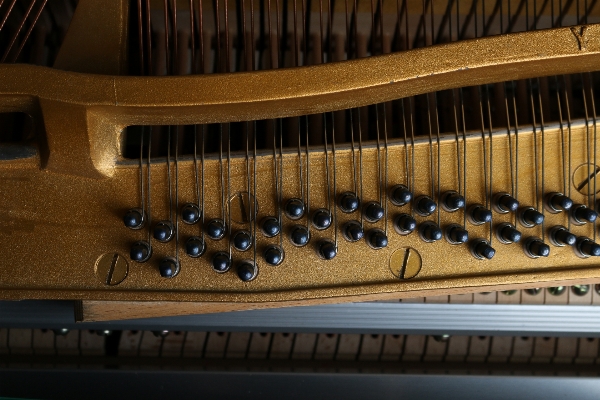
(111, 268)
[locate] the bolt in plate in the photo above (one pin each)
(405, 263)
(584, 179)
(111, 268)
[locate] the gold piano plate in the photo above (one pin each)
(62, 204)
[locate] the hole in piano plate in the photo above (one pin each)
(17, 138)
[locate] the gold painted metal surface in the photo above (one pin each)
(61, 211)
(81, 219)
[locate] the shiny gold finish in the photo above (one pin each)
(71, 196)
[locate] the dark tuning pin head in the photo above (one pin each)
(134, 218)
(168, 268)
(326, 249)
(348, 202)
(190, 213)
(452, 201)
(535, 248)
(430, 232)
(560, 236)
(163, 231)
(321, 219)
(140, 251)
(215, 229)
(299, 236)
(456, 234)
(273, 255)
(557, 202)
(221, 262)
(531, 217)
(373, 211)
(404, 224)
(195, 247)
(242, 240)
(478, 214)
(425, 206)
(294, 208)
(507, 233)
(482, 250)
(270, 226)
(377, 239)
(587, 247)
(504, 202)
(581, 214)
(247, 271)
(400, 195)
(352, 231)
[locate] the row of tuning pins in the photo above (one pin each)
(373, 212)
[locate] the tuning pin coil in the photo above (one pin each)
(586, 247)
(215, 229)
(242, 240)
(581, 215)
(321, 219)
(352, 231)
(430, 232)
(221, 262)
(294, 208)
(400, 195)
(536, 248)
(247, 271)
(273, 255)
(140, 251)
(190, 213)
(134, 218)
(195, 247)
(556, 202)
(373, 212)
(348, 202)
(270, 226)
(299, 236)
(377, 239)
(482, 250)
(530, 217)
(424, 206)
(504, 203)
(163, 231)
(507, 233)
(560, 236)
(169, 267)
(404, 224)
(326, 249)
(456, 234)
(452, 201)
(478, 214)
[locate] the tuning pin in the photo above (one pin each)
(478, 214)
(190, 213)
(321, 219)
(294, 208)
(169, 267)
(134, 218)
(247, 271)
(377, 239)
(195, 247)
(221, 262)
(327, 249)
(430, 232)
(530, 217)
(452, 201)
(508, 233)
(404, 224)
(299, 236)
(535, 248)
(560, 236)
(270, 226)
(163, 231)
(348, 202)
(273, 255)
(424, 206)
(242, 240)
(215, 229)
(557, 202)
(140, 251)
(504, 203)
(482, 250)
(456, 234)
(352, 231)
(580, 214)
(373, 211)
(400, 195)
(586, 247)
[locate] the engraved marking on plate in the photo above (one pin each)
(111, 268)
(579, 32)
(240, 206)
(584, 176)
(405, 263)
